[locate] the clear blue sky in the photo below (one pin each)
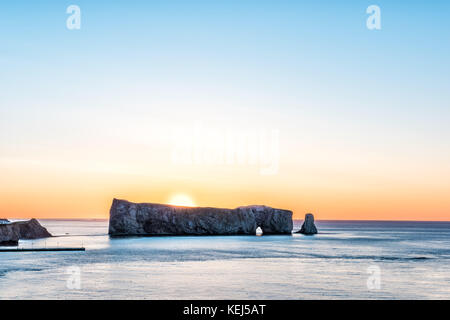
(309, 68)
(319, 52)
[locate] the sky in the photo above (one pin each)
(291, 104)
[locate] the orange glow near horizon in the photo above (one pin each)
(39, 191)
(46, 195)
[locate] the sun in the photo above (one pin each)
(181, 200)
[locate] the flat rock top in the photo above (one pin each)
(161, 205)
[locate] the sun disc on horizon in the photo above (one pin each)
(181, 200)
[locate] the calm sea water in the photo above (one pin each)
(413, 259)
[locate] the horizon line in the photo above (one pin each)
(317, 220)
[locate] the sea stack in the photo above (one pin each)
(308, 227)
(11, 233)
(147, 219)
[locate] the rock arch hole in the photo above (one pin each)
(259, 231)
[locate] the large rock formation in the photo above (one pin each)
(308, 226)
(127, 218)
(11, 233)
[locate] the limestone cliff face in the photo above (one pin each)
(11, 233)
(127, 218)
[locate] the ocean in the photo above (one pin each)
(346, 260)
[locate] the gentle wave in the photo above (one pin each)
(3, 272)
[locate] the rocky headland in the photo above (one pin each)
(11, 233)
